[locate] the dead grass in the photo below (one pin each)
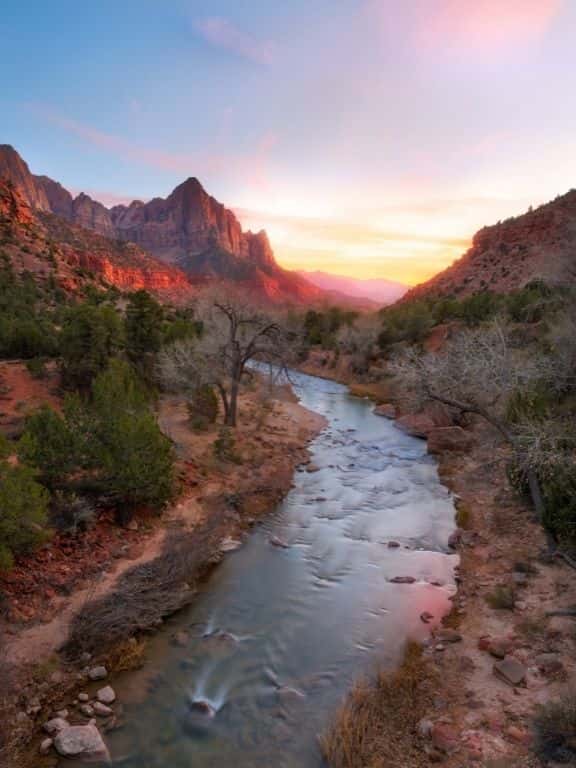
(463, 516)
(149, 592)
(377, 725)
(380, 391)
(554, 727)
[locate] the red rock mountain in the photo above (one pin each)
(51, 248)
(189, 229)
(540, 244)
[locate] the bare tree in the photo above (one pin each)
(235, 334)
(478, 372)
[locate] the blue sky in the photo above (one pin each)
(370, 137)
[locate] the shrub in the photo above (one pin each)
(23, 505)
(554, 727)
(90, 337)
(502, 598)
(48, 444)
(377, 725)
(36, 368)
(203, 407)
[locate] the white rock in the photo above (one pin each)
(102, 710)
(106, 695)
(83, 697)
(46, 746)
(82, 741)
(55, 725)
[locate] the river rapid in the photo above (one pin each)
(277, 635)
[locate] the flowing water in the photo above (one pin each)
(277, 635)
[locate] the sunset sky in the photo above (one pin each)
(369, 137)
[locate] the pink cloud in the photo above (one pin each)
(223, 33)
(485, 24)
(251, 166)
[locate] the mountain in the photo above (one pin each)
(538, 245)
(376, 290)
(189, 229)
(50, 248)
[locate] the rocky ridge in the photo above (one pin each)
(538, 245)
(189, 229)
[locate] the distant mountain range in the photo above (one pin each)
(377, 291)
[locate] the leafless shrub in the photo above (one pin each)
(147, 593)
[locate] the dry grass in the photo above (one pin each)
(149, 592)
(503, 598)
(463, 516)
(377, 725)
(554, 727)
(380, 391)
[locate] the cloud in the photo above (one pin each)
(222, 33)
(484, 24)
(251, 166)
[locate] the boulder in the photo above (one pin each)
(426, 617)
(106, 695)
(402, 580)
(87, 710)
(417, 425)
(387, 410)
(393, 544)
(445, 737)
(82, 741)
(201, 707)
(510, 671)
(98, 673)
(55, 725)
(500, 647)
(448, 439)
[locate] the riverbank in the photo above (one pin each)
(501, 654)
(221, 497)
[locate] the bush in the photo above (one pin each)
(554, 727)
(48, 444)
(203, 407)
(36, 368)
(90, 337)
(502, 598)
(23, 505)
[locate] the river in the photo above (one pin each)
(277, 635)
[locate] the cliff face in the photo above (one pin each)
(49, 247)
(188, 229)
(540, 244)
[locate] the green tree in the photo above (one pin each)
(48, 444)
(90, 337)
(136, 459)
(144, 318)
(23, 505)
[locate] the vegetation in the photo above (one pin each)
(377, 725)
(23, 509)
(108, 444)
(554, 727)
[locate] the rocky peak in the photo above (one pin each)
(13, 168)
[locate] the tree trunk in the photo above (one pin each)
(230, 418)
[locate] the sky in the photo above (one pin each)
(370, 138)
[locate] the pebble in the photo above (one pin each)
(83, 697)
(55, 725)
(87, 710)
(102, 710)
(98, 673)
